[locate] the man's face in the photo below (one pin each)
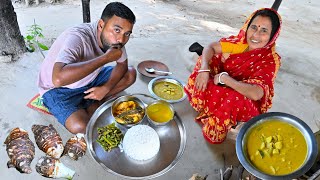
(259, 32)
(115, 32)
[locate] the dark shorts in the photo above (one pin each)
(62, 102)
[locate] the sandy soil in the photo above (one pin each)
(164, 31)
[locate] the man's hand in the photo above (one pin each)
(96, 93)
(114, 53)
(201, 81)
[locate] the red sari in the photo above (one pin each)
(221, 107)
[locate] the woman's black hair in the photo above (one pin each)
(273, 17)
(118, 9)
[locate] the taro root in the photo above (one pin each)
(52, 168)
(75, 147)
(20, 150)
(48, 140)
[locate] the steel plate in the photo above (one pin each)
(172, 145)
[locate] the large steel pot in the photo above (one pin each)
(241, 148)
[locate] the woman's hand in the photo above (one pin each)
(96, 93)
(216, 78)
(251, 91)
(202, 81)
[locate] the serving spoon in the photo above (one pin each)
(152, 70)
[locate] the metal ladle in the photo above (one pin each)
(151, 70)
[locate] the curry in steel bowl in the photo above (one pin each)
(276, 146)
(159, 112)
(128, 110)
(167, 88)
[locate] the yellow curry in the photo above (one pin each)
(168, 90)
(276, 148)
(159, 112)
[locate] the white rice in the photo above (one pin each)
(141, 142)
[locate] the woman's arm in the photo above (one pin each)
(207, 53)
(251, 91)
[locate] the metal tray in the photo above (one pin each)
(172, 145)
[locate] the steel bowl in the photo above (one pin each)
(152, 121)
(124, 98)
(241, 148)
(169, 79)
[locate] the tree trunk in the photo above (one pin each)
(11, 41)
(86, 10)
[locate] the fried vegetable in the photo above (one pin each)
(109, 137)
(130, 116)
(20, 150)
(261, 153)
(270, 145)
(269, 139)
(75, 147)
(278, 145)
(128, 112)
(53, 168)
(275, 151)
(48, 140)
(273, 170)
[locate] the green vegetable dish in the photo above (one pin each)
(109, 137)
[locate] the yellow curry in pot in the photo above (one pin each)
(168, 90)
(276, 148)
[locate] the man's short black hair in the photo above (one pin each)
(118, 9)
(273, 17)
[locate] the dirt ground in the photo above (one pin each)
(164, 31)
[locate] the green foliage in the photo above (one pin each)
(32, 42)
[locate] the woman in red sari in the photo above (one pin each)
(233, 79)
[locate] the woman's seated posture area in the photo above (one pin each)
(233, 79)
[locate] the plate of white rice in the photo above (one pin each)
(141, 142)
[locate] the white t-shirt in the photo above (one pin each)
(76, 44)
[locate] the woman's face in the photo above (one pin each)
(259, 32)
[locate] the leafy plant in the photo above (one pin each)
(32, 39)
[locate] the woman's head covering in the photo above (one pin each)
(276, 26)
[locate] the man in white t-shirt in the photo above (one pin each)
(74, 78)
